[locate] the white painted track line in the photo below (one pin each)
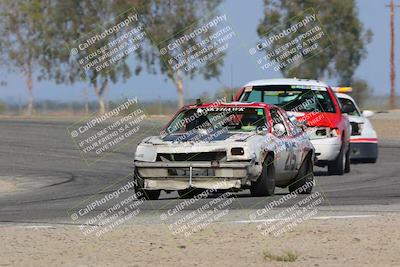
(312, 218)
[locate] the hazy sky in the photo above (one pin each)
(238, 68)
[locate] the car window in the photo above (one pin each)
(276, 118)
(354, 111)
(286, 121)
(255, 97)
(245, 119)
(292, 98)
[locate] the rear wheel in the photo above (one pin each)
(265, 184)
(347, 164)
(304, 181)
(147, 194)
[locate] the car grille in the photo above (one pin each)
(203, 156)
(185, 172)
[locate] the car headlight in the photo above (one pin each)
(237, 151)
(322, 132)
(356, 128)
(333, 132)
(146, 152)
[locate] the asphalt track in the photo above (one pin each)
(54, 181)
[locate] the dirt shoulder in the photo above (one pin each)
(372, 241)
(387, 125)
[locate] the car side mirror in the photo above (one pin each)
(301, 124)
(347, 109)
(279, 129)
(368, 113)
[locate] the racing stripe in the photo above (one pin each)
(363, 140)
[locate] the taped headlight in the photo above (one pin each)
(334, 132)
(237, 151)
(356, 128)
(145, 152)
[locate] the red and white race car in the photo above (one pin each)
(314, 103)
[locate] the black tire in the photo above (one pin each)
(146, 194)
(265, 184)
(347, 163)
(151, 194)
(337, 166)
(305, 177)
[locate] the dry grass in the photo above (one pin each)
(288, 256)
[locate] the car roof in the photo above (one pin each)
(341, 95)
(286, 81)
(231, 104)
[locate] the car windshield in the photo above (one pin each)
(240, 119)
(348, 102)
(291, 98)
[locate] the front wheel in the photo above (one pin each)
(265, 184)
(337, 167)
(304, 181)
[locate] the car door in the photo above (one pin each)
(285, 163)
(299, 140)
(294, 150)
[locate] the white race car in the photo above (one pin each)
(363, 140)
(226, 146)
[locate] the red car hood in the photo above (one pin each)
(318, 119)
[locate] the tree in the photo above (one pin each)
(361, 91)
(23, 25)
(82, 23)
(86, 18)
(40, 35)
(168, 20)
(226, 93)
(340, 21)
(162, 20)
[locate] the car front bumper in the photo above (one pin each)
(327, 149)
(207, 175)
(360, 151)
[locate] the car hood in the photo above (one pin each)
(251, 142)
(215, 137)
(317, 119)
(357, 119)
